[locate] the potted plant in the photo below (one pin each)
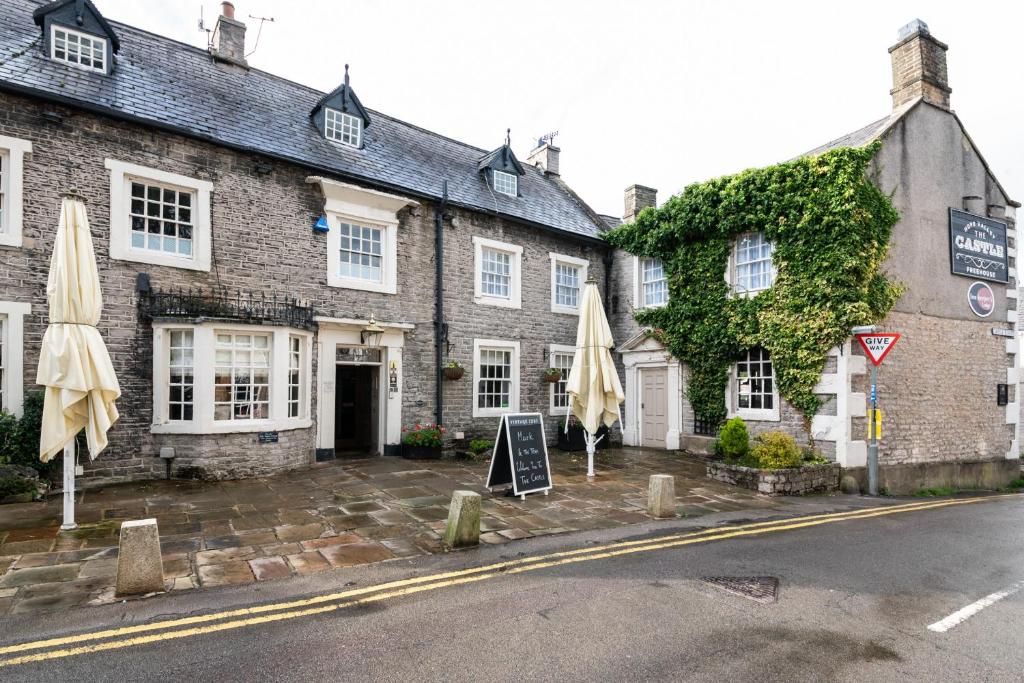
(575, 439)
(422, 442)
(452, 370)
(552, 375)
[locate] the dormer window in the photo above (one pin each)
(343, 128)
(506, 183)
(78, 49)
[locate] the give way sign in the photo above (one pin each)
(877, 346)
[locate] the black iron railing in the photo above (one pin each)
(227, 305)
(704, 427)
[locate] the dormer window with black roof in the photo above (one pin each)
(501, 169)
(75, 33)
(340, 116)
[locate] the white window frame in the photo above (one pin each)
(583, 265)
(121, 176)
(638, 284)
(336, 133)
(515, 298)
(13, 314)
(552, 350)
(731, 270)
(345, 203)
(510, 178)
(772, 414)
(88, 36)
(204, 361)
(497, 345)
(13, 151)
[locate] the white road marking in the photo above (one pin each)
(962, 615)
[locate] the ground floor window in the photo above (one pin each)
(3, 363)
(495, 377)
(561, 357)
(12, 355)
(212, 378)
(754, 385)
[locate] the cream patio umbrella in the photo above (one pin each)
(74, 365)
(593, 387)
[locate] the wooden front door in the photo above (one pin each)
(653, 407)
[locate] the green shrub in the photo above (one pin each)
(811, 456)
(716, 448)
(19, 438)
(776, 450)
(734, 439)
(480, 447)
(12, 486)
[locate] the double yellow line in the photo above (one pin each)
(187, 627)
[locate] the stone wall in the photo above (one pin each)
(263, 211)
(790, 482)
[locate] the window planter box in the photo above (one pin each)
(576, 439)
(797, 481)
(421, 452)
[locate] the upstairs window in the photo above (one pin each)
(161, 218)
(567, 277)
(12, 157)
(506, 183)
(343, 128)
(653, 285)
(496, 273)
(754, 271)
(361, 252)
(497, 268)
(78, 49)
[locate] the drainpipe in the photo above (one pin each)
(440, 333)
(609, 258)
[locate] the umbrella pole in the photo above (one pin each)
(69, 487)
(591, 444)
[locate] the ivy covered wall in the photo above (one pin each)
(830, 226)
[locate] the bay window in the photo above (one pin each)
(215, 378)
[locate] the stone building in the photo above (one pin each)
(949, 389)
(284, 271)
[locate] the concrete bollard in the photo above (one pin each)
(661, 496)
(463, 527)
(140, 568)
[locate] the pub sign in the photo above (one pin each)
(977, 247)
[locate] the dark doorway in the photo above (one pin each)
(355, 410)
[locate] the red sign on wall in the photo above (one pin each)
(877, 346)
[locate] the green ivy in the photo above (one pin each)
(830, 225)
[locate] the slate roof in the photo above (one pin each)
(867, 134)
(161, 82)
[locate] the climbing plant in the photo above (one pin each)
(830, 226)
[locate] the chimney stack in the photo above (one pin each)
(545, 157)
(919, 67)
(229, 37)
(638, 198)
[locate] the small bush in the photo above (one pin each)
(734, 439)
(19, 438)
(12, 486)
(480, 447)
(716, 448)
(776, 450)
(810, 456)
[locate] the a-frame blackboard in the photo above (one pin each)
(520, 455)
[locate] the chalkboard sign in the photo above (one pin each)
(520, 455)
(267, 437)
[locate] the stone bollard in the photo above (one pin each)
(661, 496)
(463, 527)
(140, 568)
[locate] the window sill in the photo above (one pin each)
(11, 239)
(565, 310)
(651, 306)
(361, 285)
(492, 412)
(558, 411)
(758, 415)
(155, 259)
(227, 427)
(495, 301)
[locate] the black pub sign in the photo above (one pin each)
(977, 247)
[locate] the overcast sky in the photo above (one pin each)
(657, 93)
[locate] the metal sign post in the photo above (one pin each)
(876, 347)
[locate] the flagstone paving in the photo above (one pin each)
(337, 514)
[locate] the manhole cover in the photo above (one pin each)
(763, 589)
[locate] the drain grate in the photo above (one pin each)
(762, 589)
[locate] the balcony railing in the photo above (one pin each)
(223, 304)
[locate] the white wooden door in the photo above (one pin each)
(653, 407)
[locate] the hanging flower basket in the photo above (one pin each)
(453, 371)
(552, 375)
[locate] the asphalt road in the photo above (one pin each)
(856, 596)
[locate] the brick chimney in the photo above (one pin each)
(545, 157)
(919, 67)
(229, 37)
(638, 198)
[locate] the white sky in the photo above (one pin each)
(658, 93)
